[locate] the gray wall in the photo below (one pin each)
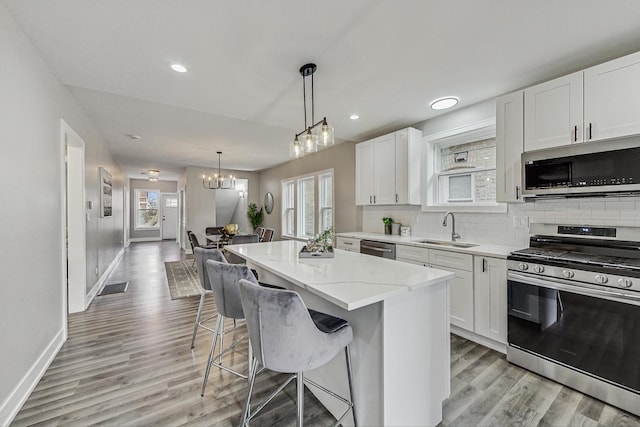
(31, 231)
(144, 184)
(342, 158)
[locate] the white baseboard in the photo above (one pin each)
(23, 389)
(99, 285)
(145, 239)
(487, 342)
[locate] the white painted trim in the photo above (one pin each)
(29, 381)
(145, 239)
(63, 239)
(97, 288)
(73, 301)
(487, 342)
(491, 122)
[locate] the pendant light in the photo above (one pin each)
(306, 141)
(217, 182)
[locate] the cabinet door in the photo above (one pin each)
(612, 98)
(348, 244)
(490, 286)
(384, 161)
(364, 173)
(509, 147)
(553, 113)
(402, 166)
(460, 298)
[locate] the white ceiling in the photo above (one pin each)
(384, 60)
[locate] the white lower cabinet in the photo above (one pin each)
(477, 292)
(348, 244)
(490, 299)
(460, 287)
(460, 298)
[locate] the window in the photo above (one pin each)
(325, 201)
(306, 207)
(307, 204)
(146, 204)
(288, 208)
(461, 169)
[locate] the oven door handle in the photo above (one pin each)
(584, 289)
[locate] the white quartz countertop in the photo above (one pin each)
(349, 280)
(496, 251)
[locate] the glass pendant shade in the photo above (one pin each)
(310, 142)
(325, 136)
(296, 149)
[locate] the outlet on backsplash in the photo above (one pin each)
(520, 222)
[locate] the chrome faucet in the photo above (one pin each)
(454, 235)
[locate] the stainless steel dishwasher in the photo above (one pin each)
(380, 249)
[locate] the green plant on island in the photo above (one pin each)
(387, 220)
(322, 242)
(255, 214)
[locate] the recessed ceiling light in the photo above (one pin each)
(179, 68)
(444, 103)
(354, 117)
(153, 172)
(133, 137)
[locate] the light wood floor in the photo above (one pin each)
(127, 362)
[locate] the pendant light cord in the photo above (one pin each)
(304, 97)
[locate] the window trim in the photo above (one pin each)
(136, 225)
(295, 180)
(478, 131)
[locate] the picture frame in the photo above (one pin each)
(106, 190)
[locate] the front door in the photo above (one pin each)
(169, 215)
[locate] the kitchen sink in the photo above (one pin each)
(445, 243)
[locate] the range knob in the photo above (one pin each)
(601, 278)
(538, 269)
(522, 266)
(567, 274)
(625, 283)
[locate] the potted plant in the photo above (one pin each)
(387, 224)
(255, 214)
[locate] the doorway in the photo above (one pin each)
(75, 232)
(169, 210)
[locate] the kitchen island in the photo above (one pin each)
(400, 319)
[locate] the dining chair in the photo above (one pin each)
(260, 232)
(268, 234)
(287, 337)
(202, 255)
(238, 240)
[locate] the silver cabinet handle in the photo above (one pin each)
(370, 201)
(374, 199)
(575, 133)
(347, 243)
(517, 192)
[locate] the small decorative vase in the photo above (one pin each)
(387, 229)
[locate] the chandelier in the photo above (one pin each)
(306, 141)
(218, 182)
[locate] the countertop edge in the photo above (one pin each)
(488, 250)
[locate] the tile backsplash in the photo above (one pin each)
(501, 228)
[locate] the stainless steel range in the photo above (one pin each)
(574, 311)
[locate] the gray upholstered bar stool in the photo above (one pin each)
(201, 256)
(287, 337)
(224, 279)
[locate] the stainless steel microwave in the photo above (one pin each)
(599, 168)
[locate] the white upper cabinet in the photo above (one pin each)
(601, 102)
(384, 165)
(612, 99)
(364, 173)
(553, 113)
(509, 147)
(388, 169)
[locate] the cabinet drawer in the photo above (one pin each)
(412, 253)
(450, 259)
(348, 244)
(412, 261)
